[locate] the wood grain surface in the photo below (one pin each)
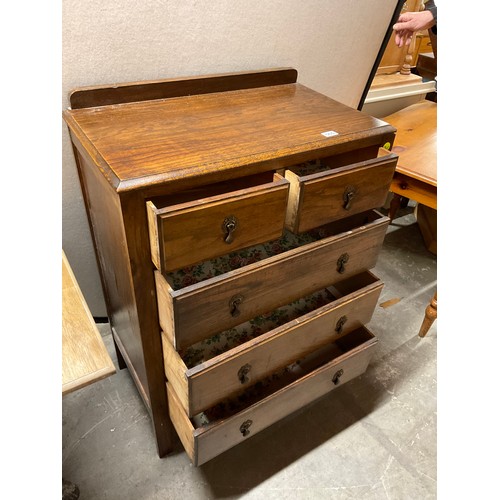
(84, 356)
(206, 442)
(168, 139)
(103, 95)
(217, 379)
(416, 141)
(202, 309)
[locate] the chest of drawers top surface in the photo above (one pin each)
(146, 143)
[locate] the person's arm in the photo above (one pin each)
(409, 22)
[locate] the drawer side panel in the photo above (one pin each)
(181, 423)
(175, 371)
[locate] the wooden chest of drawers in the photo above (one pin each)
(234, 219)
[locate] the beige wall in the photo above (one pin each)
(332, 44)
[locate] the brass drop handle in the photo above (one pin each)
(244, 427)
(336, 377)
(243, 373)
(234, 304)
(340, 324)
(349, 194)
(229, 227)
(341, 262)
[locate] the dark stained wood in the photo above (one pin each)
(107, 228)
(143, 313)
(202, 309)
(193, 231)
(217, 379)
(134, 323)
(153, 142)
(131, 152)
(319, 198)
(104, 95)
(312, 382)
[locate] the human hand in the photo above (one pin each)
(408, 23)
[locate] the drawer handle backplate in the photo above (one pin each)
(234, 304)
(229, 226)
(341, 262)
(244, 427)
(336, 377)
(340, 324)
(349, 194)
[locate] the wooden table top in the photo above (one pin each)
(160, 140)
(416, 141)
(84, 356)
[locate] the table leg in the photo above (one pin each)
(395, 206)
(397, 202)
(430, 316)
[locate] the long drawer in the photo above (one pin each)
(203, 223)
(225, 426)
(225, 365)
(198, 310)
(325, 192)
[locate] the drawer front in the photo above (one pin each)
(206, 442)
(193, 231)
(329, 195)
(229, 373)
(200, 310)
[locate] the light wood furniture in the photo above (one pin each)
(416, 175)
(227, 303)
(430, 316)
(398, 83)
(415, 144)
(84, 356)
(400, 59)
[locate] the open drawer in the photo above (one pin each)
(226, 364)
(216, 430)
(198, 302)
(324, 191)
(200, 224)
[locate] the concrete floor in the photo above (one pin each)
(373, 438)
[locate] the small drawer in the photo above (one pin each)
(207, 435)
(204, 223)
(197, 302)
(323, 192)
(224, 365)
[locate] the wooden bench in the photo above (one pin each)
(84, 356)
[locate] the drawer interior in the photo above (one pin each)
(216, 189)
(222, 342)
(309, 168)
(332, 162)
(282, 378)
(200, 272)
(317, 166)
